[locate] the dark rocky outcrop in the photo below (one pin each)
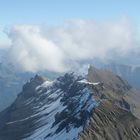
(100, 107)
(29, 88)
(60, 106)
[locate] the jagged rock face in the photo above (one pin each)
(111, 82)
(117, 90)
(29, 88)
(53, 110)
(110, 122)
(114, 118)
(72, 107)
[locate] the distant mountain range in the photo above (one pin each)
(11, 82)
(128, 72)
(99, 106)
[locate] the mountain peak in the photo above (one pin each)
(57, 110)
(111, 81)
(29, 88)
(71, 107)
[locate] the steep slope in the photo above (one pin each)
(115, 117)
(116, 89)
(48, 110)
(11, 82)
(110, 122)
(73, 107)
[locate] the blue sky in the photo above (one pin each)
(54, 12)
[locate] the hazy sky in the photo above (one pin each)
(107, 27)
(57, 11)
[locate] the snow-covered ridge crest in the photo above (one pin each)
(55, 110)
(70, 110)
(46, 84)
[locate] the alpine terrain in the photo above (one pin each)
(11, 82)
(98, 106)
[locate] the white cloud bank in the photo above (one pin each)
(30, 51)
(57, 49)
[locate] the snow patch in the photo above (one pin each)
(89, 83)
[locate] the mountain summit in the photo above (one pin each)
(72, 107)
(49, 110)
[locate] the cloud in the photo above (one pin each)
(30, 51)
(88, 40)
(61, 48)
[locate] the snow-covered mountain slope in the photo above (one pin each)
(57, 110)
(98, 107)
